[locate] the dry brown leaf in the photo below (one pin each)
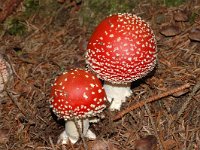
(170, 30)
(169, 144)
(181, 15)
(195, 34)
(161, 18)
(101, 145)
(22, 88)
(147, 143)
(4, 136)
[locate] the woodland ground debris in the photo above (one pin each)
(54, 41)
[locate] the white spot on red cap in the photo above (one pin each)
(92, 85)
(111, 35)
(85, 96)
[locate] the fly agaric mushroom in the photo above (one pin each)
(122, 49)
(79, 95)
(5, 73)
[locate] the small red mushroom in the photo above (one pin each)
(77, 94)
(122, 49)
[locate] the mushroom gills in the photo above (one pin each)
(71, 132)
(117, 94)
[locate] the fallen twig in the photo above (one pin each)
(80, 133)
(151, 99)
(154, 127)
(16, 104)
(184, 106)
(51, 142)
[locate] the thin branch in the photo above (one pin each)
(80, 132)
(189, 98)
(51, 142)
(23, 81)
(151, 99)
(154, 127)
(16, 104)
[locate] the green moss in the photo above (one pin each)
(49, 7)
(43, 8)
(172, 3)
(34, 12)
(92, 12)
(15, 27)
(31, 6)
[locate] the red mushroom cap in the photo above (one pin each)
(77, 94)
(121, 49)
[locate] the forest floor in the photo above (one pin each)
(40, 40)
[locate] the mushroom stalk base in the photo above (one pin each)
(117, 94)
(71, 132)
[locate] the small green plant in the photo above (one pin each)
(192, 17)
(15, 27)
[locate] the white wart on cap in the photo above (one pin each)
(121, 49)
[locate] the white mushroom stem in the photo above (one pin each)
(117, 94)
(71, 132)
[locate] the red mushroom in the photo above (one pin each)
(122, 49)
(77, 94)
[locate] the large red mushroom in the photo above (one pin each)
(79, 95)
(122, 49)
